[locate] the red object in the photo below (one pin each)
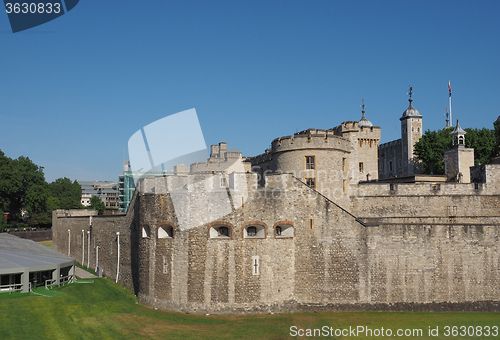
(449, 88)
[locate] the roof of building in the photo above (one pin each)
(458, 130)
(364, 122)
(17, 254)
(411, 111)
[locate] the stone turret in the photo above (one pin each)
(411, 132)
(458, 159)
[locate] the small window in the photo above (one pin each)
(344, 186)
(220, 231)
(344, 164)
(165, 265)
(284, 231)
(254, 231)
(390, 165)
(255, 265)
(361, 167)
(311, 182)
(223, 231)
(310, 162)
(146, 232)
(165, 231)
(223, 182)
(311, 223)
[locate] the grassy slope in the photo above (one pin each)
(46, 243)
(104, 310)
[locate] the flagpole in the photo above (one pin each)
(449, 89)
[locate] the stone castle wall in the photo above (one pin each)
(412, 252)
(390, 159)
(68, 238)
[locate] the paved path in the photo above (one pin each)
(83, 274)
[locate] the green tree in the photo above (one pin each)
(430, 150)
(67, 193)
(496, 124)
(483, 143)
(431, 147)
(97, 204)
(3, 221)
(22, 186)
(42, 219)
(5, 182)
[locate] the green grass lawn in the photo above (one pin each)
(104, 310)
(46, 243)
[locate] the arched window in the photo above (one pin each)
(146, 232)
(254, 230)
(284, 229)
(221, 230)
(165, 231)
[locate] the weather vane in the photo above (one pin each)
(410, 93)
(363, 106)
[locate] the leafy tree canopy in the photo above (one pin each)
(67, 193)
(496, 124)
(97, 204)
(3, 221)
(22, 186)
(483, 143)
(431, 147)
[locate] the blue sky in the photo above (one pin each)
(74, 90)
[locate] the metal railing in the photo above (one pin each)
(62, 281)
(11, 288)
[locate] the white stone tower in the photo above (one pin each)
(411, 132)
(458, 159)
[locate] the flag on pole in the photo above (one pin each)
(449, 87)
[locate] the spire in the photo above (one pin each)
(364, 122)
(458, 135)
(410, 111)
(447, 119)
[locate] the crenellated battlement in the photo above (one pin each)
(390, 144)
(311, 139)
(262, 158)
(347, 128)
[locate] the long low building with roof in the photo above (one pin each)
(25, 264)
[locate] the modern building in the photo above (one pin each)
(107, 191)
(127, 182)
(25, 265)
